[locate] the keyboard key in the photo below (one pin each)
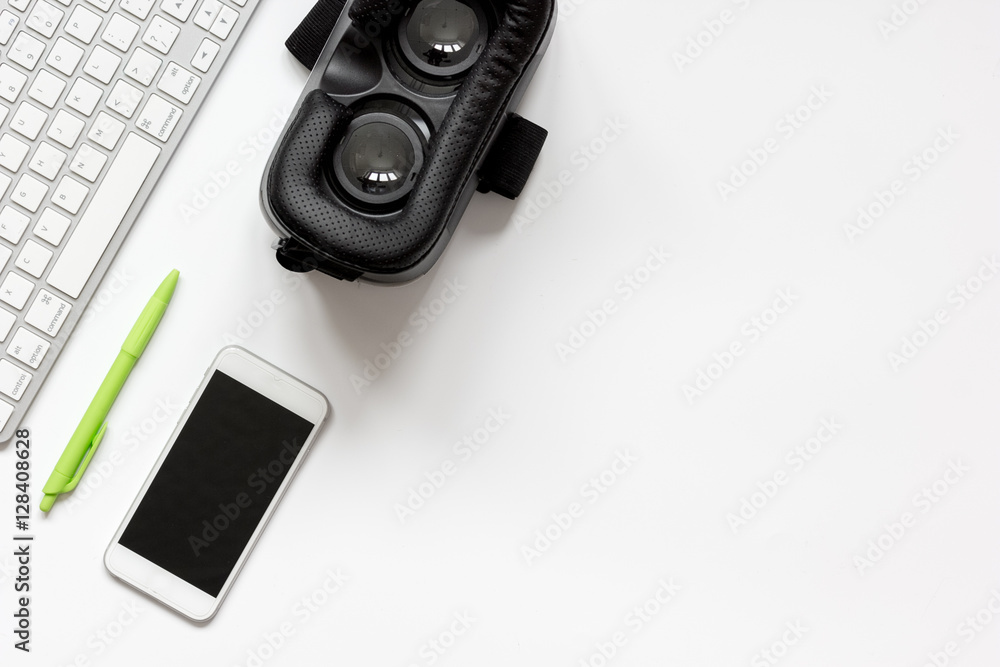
(207, 13)
(205, 55)
(29, 192)
(64, 56)
(124, 98)
(28, 348)
(106, 131)
(102, 64)
(88, 162)
(47, 313)
(158, 118)
(103, 5)
(7, 320)
(44, 18)
(84, 96)
(15, 290)
(6, 410)
(28, 120)
(96, 228)
(12, 152)
(179, 83)
(138, 8)
(12, 224)
(65, 129)
(33, 259)
(161, 34)
(179, 9)
(83, 24)
(47, 161)
(11, 82)
(51, 226)
(143, 66)
(225, 23)
(19, 5)
(5, 182)
(120, 32)
(13, 381)
(8, 22)
(26, 50)
(5, 254)
(46, 88)
(70, 194)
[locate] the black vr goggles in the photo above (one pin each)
(407, 112)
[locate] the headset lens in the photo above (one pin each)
(444, 37)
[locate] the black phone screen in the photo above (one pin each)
(216, 483)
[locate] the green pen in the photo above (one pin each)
(82, 446)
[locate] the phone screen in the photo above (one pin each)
(214, 486)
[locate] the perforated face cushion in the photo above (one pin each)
(304, 203)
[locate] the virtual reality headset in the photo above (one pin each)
(407, 112)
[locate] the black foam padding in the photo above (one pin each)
(364, 10)
(512, 157)
(308, 40)
(302, 199)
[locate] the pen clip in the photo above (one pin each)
(82, 468)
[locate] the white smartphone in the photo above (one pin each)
(216, 484)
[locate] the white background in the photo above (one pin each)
(531, 275)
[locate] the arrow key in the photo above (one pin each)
(205, 55)
(224, 24)
(207, 13)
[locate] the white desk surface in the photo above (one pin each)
(803, 579)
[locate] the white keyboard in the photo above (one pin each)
(95, 95)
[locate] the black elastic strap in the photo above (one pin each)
(510, 161)
(307, 42)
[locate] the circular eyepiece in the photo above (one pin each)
(378, 160)
(443, 38)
